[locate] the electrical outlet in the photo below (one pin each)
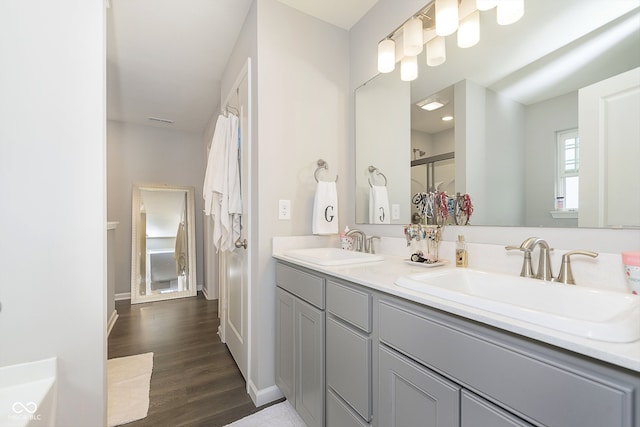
(395, 211)
(284, 209)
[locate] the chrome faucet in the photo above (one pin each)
(359, 239)
(362, 243)
(544, 263)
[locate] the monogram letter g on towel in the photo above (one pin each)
(328, 215)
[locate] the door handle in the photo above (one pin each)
(241, 243)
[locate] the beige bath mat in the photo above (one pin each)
(128, 380)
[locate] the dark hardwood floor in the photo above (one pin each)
(195, 381)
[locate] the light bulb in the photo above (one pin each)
(509, 11)
(386, 56)
(485, 4)
(469, 30)
(436, 52)
(409, 68)
(446, 17)
(412, 37)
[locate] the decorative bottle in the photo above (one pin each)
(461, 252)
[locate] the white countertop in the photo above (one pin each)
(381, 276)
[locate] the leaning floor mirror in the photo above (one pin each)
(162, 243)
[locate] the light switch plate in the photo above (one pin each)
(395, 211)
(284, 209)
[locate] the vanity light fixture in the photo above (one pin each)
(469, 30)
(437, 20)
(447, 118)
(436, 51)
(509, 11)
(409, 68)
(446, 17)
(412, 37)
(486, 4)
(386, 56)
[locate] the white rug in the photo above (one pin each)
(128, 380)
(278, 415)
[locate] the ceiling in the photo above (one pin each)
(165, 58)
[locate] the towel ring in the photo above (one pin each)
(377, 171)
(321, 165)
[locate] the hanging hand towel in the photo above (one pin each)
(325, 209)
(379, 205)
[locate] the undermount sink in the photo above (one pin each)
(332, 256)
(586, 312)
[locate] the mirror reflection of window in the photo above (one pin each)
(568, 168)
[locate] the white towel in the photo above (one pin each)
(325, 209)
(379, 205)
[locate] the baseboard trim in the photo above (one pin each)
(205, 293)
(112, 321)
(122, 296)
(263, 396)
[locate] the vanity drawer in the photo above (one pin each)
(304, 285)
(349, 304)
(546, 390)
(349, 366)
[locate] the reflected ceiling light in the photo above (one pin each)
(485, 4)
(509, 11)
(412, 37)
(447, 118)
(469, 30)
(431, 104)
(436, 52)
(409, 68)
(386, 56)
(446, 17)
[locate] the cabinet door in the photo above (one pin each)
(410, 395)
(310, 391)
(339, 414)
(349, 366)
(285, 350)
(477, 412)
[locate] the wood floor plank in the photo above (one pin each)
(195, 381)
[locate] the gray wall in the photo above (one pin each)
(52, 186)
(300, 110)
(542, 121)
(152, 155)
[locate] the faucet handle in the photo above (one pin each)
(566, 275)
(369, 246)
(527, 269)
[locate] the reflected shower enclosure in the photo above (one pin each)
(163, 246)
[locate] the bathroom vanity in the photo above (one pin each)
(353, 349)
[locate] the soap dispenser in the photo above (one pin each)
(461, 252)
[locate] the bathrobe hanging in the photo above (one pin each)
(221, 189)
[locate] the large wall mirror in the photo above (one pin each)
(163, 253)
(512, 97)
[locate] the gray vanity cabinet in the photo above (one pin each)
(531, 382)
(349, 358)
(300, 332)
(411, 395)
(477, 412)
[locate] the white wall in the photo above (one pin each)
(152, 155)
(52, 186)
(383, 18)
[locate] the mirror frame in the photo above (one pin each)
(191, 284)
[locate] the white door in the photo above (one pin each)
(234, 266)
(610, 151)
